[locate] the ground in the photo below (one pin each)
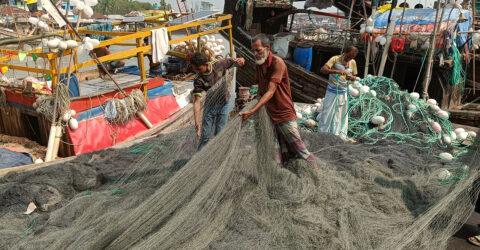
(469, 229)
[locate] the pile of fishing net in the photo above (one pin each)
(162, 194)
(378, 110)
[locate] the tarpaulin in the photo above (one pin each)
(96, 133)
(11, 158)
(423, 20)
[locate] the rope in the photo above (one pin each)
(45, 104)
(119, 111)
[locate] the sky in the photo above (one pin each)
(219, 3)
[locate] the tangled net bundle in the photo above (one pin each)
(407, 120)
(44, 104)
(162, 194)
(119, 111)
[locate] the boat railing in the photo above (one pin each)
(119, 38)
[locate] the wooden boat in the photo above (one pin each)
(271, 18)
(166, 99)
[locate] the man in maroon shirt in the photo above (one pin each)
(274, 89)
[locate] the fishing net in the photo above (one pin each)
(408, 120)
(162, 194)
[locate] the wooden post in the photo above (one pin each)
(474, 11)
(231, 37)
(199, 46)
(53, 67)
(390, 30)
(349, 25)
(369, 46)
(428, 74)
(141, 65)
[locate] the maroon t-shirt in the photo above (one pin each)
(280, 107)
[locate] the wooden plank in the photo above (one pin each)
(467, 117)
(19, 98)
(104, 33)
(28, 69)
(112, 57)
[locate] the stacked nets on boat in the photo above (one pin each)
(162, 194)
(122, 110)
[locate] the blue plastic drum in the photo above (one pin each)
(303, 55)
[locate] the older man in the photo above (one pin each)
(274, 88)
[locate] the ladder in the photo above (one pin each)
(180, 7)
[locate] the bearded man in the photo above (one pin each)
(274, 89)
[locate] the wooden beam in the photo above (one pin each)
(112, 57)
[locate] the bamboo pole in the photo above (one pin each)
(428, 75)
(369, 46)
(474, 11)
(54, 126)
(383, 61)
(349, 23)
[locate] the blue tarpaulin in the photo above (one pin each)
(11, 158)
(427, 16)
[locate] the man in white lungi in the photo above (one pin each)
(341, 69)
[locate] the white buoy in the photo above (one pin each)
(66, 116)
(299, 116)
(462, 136)
(45, 17)
(72, 112)
(411, 107)
(38, 161)
(364, 89)
(308, 111)
(79, 7)
(446, 157)
(354, 92)
(373, 92)
(459, 130)
(383, 40)
(53, 44)
(442, 114)
(444, 175)
(447, 139)
(88, 11)
(415, 95)
(95, 42)
(91, 3)
(357, 85)
(72, 44)
(62, 45)
(88, 46)
(33, 20)
(435, 108)
(73, 123)
(453, 135)
(378, 120)
(472, 134)
(311, 123)
(432, 101)
(435, 126)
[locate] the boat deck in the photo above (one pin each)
(97, 85)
